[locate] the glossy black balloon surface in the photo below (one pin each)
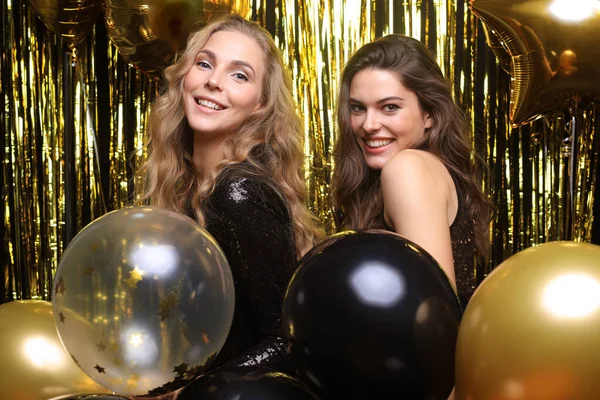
(372, 315)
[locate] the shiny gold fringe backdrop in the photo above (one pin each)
(73, 124)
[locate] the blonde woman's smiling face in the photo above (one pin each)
(224, 85)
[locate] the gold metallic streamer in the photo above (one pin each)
(33, 134)
(530, 168)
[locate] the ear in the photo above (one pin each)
(428, 121)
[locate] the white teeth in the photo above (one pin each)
(378, 143)
(209, 104)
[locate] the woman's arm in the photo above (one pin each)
(415, 197)
(251, 224)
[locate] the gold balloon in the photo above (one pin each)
(498, 49)
(553, 50)
(33, 362)
(150, 33)
(72, 19)
(531, 329)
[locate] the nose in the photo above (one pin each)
(213, 82)
(371, 123)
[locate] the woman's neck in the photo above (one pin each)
(208, 153)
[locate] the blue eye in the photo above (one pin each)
(240, 76)
(203, 64)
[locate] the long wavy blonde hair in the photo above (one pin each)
(270, 139)
(356, 189)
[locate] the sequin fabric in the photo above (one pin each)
(463, 250)
(251, 223)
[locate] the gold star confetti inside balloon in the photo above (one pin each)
(114, 347)
(135, 276)
(136, 340)
(166, 306)
(141, 314)
(553, 50)
(60, 286)
(133, 380)
(180, 369)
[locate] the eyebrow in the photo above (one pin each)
(385, 99)
(241, 63)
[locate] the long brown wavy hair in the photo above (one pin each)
(356, 189)
(270, 139)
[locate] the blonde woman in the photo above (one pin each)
(226, 148)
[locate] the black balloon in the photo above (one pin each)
(245, 383)
(371, 315)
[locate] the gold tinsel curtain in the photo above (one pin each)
(73, 124)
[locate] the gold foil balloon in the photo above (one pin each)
(72, 19)
(494, 43)
(553, 49)
(149, 33)
(531, 329)
(33, 363)
(143, 300)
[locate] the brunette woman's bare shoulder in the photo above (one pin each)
(413, 160)
(413, 166)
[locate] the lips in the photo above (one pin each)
(210, 104)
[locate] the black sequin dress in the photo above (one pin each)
(251, 223)
(462, 235)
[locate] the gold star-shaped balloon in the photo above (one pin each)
(99, 369)
(135, 276)
(553, 50)
(166, 306)
(60, 287)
